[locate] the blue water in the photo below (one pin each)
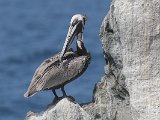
(33, 30)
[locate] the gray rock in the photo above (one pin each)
(130, 36)
(130, 88)
(63, 110)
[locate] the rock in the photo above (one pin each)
(130, 88)
(63, 110)
(130, 35)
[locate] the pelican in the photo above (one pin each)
(64, 67)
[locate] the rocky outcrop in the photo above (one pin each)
(130, 88)
(130, 36)
(63, 110)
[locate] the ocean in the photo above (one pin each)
(30, 32)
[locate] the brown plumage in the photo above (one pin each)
(62, 68)
(53, 74)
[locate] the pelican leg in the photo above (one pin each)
(54, 92)
(63, 91)
(55, 100)
(65, 95)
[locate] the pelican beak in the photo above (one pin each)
(72, 32)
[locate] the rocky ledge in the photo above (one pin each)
(130, 88)
(63, 110)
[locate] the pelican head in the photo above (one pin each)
(76, 26)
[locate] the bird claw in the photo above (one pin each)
(57, 99)
(70, 98)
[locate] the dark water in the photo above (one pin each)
(33, 30)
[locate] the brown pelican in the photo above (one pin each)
(65, 66)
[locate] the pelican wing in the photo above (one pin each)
(69, 70)
(37, 77)
(40, 76)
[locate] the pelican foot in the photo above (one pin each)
(70, 98)
(55, 101)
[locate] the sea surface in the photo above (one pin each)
(33, 30)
